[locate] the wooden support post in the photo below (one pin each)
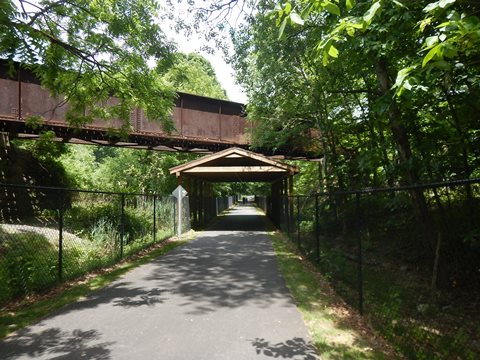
(187, 184)
(211, 207)
(276, 195)
(198, 187)
(202, 202)
(193, 202)
(290, 200)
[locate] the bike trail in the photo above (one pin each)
(221, 296)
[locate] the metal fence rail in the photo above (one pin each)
(48, 235)
(413, 271)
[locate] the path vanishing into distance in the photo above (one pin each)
(221, 296)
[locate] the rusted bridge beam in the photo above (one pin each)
(203, 125)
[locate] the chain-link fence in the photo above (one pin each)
(48, 235)
(408, 258)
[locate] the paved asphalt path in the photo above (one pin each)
(219, 297)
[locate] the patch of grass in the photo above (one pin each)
(27, 261)
(26, 314)
(400, 306)
(336, 330)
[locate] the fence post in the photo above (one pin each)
(154, 218)
(122, 224)
(174, 214)
(60, 238)
(180, 211)
(317, 233)
(359, 254)
(298, 221)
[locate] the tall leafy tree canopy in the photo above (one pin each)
(88, 51)
(193, 74)
(386, 90)
(142, 170)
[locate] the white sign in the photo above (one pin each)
(179, 192)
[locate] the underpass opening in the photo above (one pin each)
(232, 165)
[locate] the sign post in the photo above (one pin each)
(179, 193)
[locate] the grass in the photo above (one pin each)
(17, 317)
(336, 330)
(402, 307)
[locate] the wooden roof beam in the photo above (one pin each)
(234, 169)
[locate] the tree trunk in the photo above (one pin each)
(402, 142)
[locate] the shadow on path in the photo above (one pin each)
(216, 291)
(56, 344)
(296, 348)
(230, 265)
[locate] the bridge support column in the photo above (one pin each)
(193, 200)
(197, 201)
(276, 193)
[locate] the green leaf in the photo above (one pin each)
(349, 4)
(431, 41)
(370, 14)
(431, 54)
(325, 58)
(282, 28)
(296, 18)
(430, 7)
(444, 3)
(402, 75)
(332, 8)
(356, 25)
(407, 85)
(333, 51)
(287, 8)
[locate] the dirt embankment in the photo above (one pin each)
(20, 167)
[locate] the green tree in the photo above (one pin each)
(79, 163)
(118, 169)
(139, 171)
(361, 80)
(87, 51)
(192, 73)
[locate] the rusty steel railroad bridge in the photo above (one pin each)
(203, 125)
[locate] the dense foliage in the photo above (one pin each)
(386, 90)
(88, 50)
(193, 74)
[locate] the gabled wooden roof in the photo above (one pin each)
(235, 164)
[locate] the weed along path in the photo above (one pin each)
(221, 296)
